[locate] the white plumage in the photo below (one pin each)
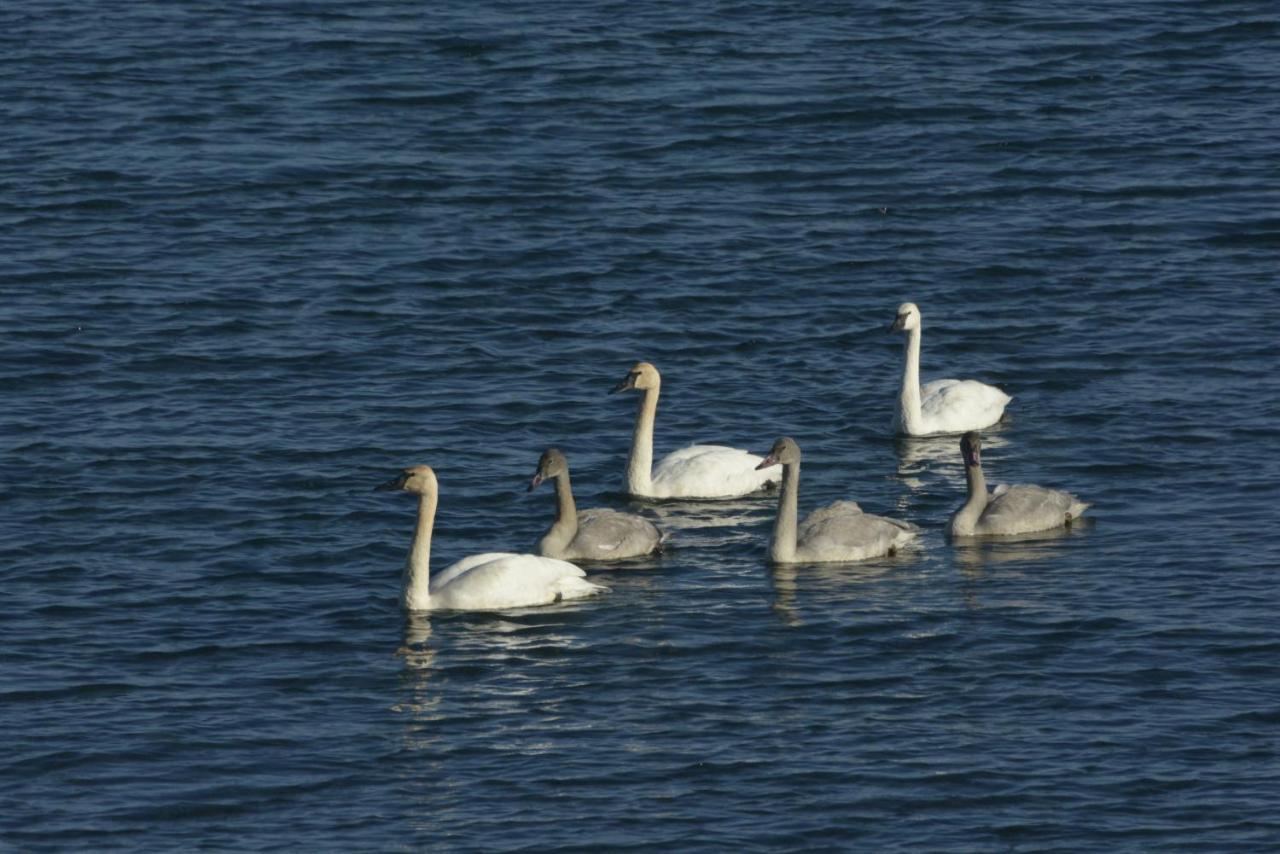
(940, 406)
(483, 582)
(698, 471)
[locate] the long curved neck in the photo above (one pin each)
(966, 518)
(640, 464)
(909, 398)
(415, 586)
(782, 547)
(563, 530)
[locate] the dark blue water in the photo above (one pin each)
(255, 257)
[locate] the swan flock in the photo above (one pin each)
(837, 532)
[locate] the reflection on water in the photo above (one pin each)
(712, 523)
(419, 660)
(916, 454)
(983, 552)
(827, 581)
(924, 460)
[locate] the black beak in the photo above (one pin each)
(535, 483)
(628, 382)
(770, 460)
(898, 321)
(397, 483)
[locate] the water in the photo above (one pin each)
(256, 257)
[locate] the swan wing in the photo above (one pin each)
(710, 471)
(503, 580)
(954, 406)
(841, 531)
(1023, 508)
(453, 570)
(605, 534)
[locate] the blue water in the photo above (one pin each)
(256, 257)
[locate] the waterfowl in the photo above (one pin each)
(837, 532)
(483, 582)
(1010, 510)
(941, 406)
(698, 471)
(596, 534)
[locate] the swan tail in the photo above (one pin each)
(577, 587)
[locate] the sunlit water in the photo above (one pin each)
(254, 258)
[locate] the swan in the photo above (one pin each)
(698, 471)
(837, 532)
(484, 582)
(942, 406)
(597, 534)
(1010, 510)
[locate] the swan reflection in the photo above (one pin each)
(977, 553)
(713, 523)
(828, 583)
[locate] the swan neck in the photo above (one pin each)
(640, 464)
(966, 518)
(565, 527)
(782, 548)
(909, 399)
(415, 587)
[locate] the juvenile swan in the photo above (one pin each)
(942, 406)
(837, 532)
(597, 534)
(698, 471)
(1019, 509)
(482, 582)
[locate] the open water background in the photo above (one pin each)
(255, 257)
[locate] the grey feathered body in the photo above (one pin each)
(605, 534)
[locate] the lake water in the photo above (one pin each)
(256, 257)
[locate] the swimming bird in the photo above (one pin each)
(698, 471)
(483, 582)
(596, 534)
(1018, 509)
(837, 532)
(941, 406)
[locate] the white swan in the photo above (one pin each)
(483, 582)
(1011, 510)
(698, 471)
(837, 532)
(597, 534)
(942, 406)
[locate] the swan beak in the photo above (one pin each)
(896, 326)
(397, 483)
(628, 382)
(770, 460)
(535, 483)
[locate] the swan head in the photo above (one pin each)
(551, 464)
(420, 480)
(908, 318)
(784, 452)
(971, 449)
(641, 376)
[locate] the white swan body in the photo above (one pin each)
(940, 406)
(698, 471)
(483, 582)
(839, 532)
(1010, 510)
(598, 534)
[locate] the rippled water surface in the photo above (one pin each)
(255, 257)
